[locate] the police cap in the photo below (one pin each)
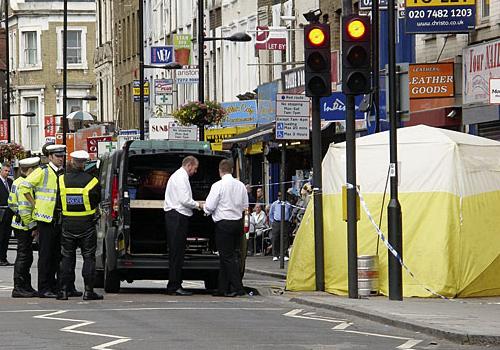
(29, 162)
(80, 155)
(56, 149)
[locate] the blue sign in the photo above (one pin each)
(240, 113)
(333, 107)
(162, 54)
(440, 19)
(266, 111)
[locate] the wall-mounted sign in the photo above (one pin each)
(4, 131)
(163, 86)
(495, 90)
(333, 107)
(50, 126)
(182, 48)
(162, 54)
(293, 80)
(480, 63)
(266, 95)
(106, 147)
(431, 80)
(271, 38)
(158, 128)
(93, 143)
(137, 90)
(186, 75)
(217, 135)
(240, 113)
(440, 16)
(182, 132)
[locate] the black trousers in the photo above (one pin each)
(228, 240)
(276, 240)
(49, 255)
(5, 230)
(80, 234)
(176, 226)
(24, 259)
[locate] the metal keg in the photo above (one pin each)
(368, 275)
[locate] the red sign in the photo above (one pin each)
(4, 131)
(50, 126)
(335, 67)
(271, 38)
(93, 142)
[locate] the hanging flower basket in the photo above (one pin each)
(200, 114)
(11, 151)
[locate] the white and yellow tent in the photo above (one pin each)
(450, 197)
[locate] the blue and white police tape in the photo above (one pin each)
(390, 247)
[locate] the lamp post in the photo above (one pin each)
(7, 68)
(65, 70)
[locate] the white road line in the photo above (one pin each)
(150, 309)
(83, 323)
(342, 327)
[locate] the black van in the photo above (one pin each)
(131, 238)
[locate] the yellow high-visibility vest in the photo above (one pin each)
(23, 209)
(76, 201)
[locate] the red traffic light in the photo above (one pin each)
(356, 29)
(316, 37)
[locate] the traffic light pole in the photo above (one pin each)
(352, 229)
(141, 69)
(394, 207)
(376, 64)
(282, 207)
(319, 261)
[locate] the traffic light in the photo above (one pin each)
(356, 58)
(317, 60)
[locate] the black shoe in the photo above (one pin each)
(218, 294)
(180, 291)
(31, 289)
(47, 295)
(22, 293)
(235, 294)
(62, 295)
(74, 293)
(91, 295)
(5, 263)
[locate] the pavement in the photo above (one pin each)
(464, 321)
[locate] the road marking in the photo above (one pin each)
(343, 325)
(6, 288)
(82, 323)
(178, 308)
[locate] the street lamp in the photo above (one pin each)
(7, 67)
(26, 114)
(170, 65)
(65, 69)
(89, 98)
(237, 37)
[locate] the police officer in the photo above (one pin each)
(80, 194)
(23, 225)
(42, 185)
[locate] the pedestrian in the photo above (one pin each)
(258, 224)
(227, 202)
(275, 220)
(23, 226)
(79, 194)
(5, 213)
(251, 197)
(259, 196)
(178, 207)
(40, 189)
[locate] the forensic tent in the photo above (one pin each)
(449, 190)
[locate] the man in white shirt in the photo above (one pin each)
(226, 202)
(178, 207)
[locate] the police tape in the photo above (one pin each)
(391, 248)
(279, 183)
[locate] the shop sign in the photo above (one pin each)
(182, 132)
(495, 90)
(106, 147)
(163, 86)
(162, 54)
(93, 142)
(164, 99)
(4, 131)
(70, 142)
(294, 80)
(216, 136)
(266, 110)
(158, 128)
(50, 126)
(440, 16)
(240, 113)
(127, 135)
(187, 75)
(182, 48)
(333, 107)
(480, 63)
(137, 90)
(271, 38)
(431, 80)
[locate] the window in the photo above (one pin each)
(485, 8)
(30, 48)
(74, 104)
(74, 53)
(31, 105)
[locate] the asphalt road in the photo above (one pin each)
(142, 317)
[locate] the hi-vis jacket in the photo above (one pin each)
(43, 184)
(22, 209)
(76, 191)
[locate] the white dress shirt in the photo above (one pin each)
(178, 195)
(227, 200)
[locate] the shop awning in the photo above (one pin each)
(259, 134)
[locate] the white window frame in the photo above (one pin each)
(22, 63)
(84, 64)
(482, 9)
(13, 50)
(25, 99)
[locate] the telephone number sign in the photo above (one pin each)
(440, 16)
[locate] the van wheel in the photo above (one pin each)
(99, 279)
(212, 282)
(111, 280)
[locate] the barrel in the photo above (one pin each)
(367, 275)
(157, 179)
